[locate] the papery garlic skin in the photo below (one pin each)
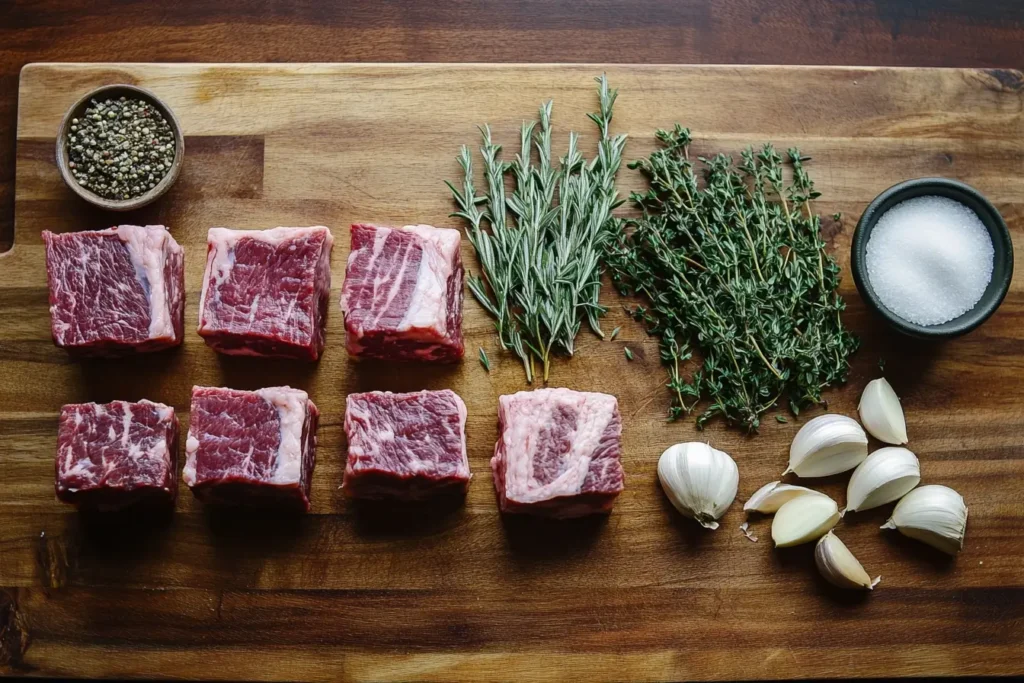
(886, 475)
(881, 412)
(933, 514)
(804, 519)
(700, 481)
(838, 565)
(828, 444)
(773, 495)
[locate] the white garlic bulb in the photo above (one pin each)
(888, 474)
(881, 412)
(828, 444)
(838, 565)
(700, 481)
(933, 514)
(773, 495)
(804, 519)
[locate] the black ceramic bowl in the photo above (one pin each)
(1002, 270)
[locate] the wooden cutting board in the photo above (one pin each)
(458, 593)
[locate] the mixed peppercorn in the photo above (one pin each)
(120, 148)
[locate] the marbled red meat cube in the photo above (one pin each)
(406, 446)
(251, 447)
(265, 292)
(558, 452)
(115, 291)
(402, 297)
(116, 454)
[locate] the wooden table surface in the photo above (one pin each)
(463, 593)
(905, 33)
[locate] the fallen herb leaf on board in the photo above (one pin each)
(484, 360)
(540, 246)
(734, 268)
(629, 354)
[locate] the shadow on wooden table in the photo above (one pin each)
(119, 541)
(383, 519)
(540, 538)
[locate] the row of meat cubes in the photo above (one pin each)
(557, 454)
(264, 292)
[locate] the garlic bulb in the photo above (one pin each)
(770, 497)
(881, 412)
(936, 515)
(700, 481)
(804, 519)
(888, 474)
(838, 565)
(828, 444)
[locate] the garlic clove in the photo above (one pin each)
(886, 475)
(770, 497)
(828, 444)
(700, 481)
(838, 565)
(881, 412)
(933, 514)
(804, 519)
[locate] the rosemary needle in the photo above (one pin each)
(484, 360)
(629, 354)
(540, 244)
(614, 334)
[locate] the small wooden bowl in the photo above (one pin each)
(113, 92)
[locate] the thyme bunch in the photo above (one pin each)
(540, 246)
(736, 269)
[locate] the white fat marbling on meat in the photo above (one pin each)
(428, 307)
(526, 410)
(148, 248)
(291, 405)
(126, 424)
(220, 256)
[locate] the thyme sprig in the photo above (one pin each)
(735, 268)
(540, 246)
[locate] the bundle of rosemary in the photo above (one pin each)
(736, 269)
(540, 247)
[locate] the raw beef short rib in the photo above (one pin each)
(406, 446)
(558, 453)
(115, 291)
(251, 447)
(116, 454)
(265, 292)
(402, 297)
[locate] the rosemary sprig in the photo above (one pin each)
(540, 246)
(735, 268)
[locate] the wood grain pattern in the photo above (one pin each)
(369, 592)
(960, 33)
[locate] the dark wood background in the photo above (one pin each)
(965, 33)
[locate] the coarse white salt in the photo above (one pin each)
(929, 259)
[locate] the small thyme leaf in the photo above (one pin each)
(484, 360)
(781, 419)
(629, 354)
(729, 262)
(614, 334)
